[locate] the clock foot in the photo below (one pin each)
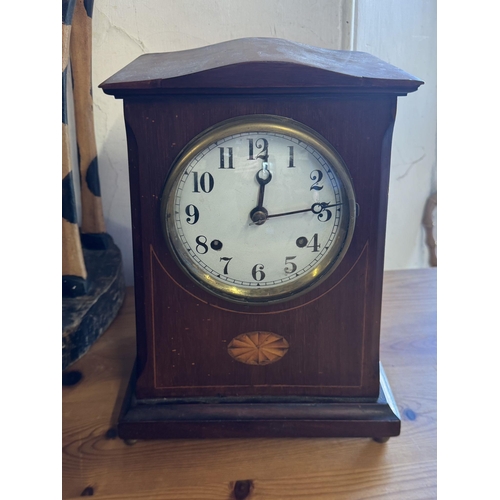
(381, 439)
(130, 442)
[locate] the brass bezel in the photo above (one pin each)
(285, 291)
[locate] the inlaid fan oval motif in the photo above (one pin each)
(258, 348)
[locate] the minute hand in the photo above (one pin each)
(316, 208)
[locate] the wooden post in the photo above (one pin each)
(93, 283)
(74, 273)
(93, 227)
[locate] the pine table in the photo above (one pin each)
(97, 463)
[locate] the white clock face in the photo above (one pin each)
(257, 210)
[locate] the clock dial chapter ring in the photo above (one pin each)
(290, 242)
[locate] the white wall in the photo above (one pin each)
(403, 33)
(125, 29)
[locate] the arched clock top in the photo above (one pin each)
(265, 64)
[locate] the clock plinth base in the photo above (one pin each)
(271, 418)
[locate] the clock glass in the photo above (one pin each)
(258, 209)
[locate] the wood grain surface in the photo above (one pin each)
(73, 265)
(287, 65)
(81, 67)
(337, 322)
(96, 462)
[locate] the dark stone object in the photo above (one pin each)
(86, 317)
(73, 286)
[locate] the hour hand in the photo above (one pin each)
(259, 214)
(263, 177)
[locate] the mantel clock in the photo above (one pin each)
(259, 172)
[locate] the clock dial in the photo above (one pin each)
(258, 209)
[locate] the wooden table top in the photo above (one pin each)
(96, 462)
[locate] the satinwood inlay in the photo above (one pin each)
(258, 348)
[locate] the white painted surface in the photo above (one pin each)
(403, 33)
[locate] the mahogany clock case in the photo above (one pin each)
(186, 355)
(332, 332)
